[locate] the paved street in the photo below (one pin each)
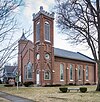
(14, 98)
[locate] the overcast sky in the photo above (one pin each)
(25, 21)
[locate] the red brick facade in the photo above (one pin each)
(45, 66)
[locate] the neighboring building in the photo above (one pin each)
(9, 73)
(1, 74)
(40, 62)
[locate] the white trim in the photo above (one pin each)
(37, 41)
(48, 41)
(71, 80)
(87, 80)
(79, 80)
(61, 80)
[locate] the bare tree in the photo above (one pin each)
(11, 51)
(8, 24)
(80, 20)
(7, 16)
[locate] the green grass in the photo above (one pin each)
(52, 94)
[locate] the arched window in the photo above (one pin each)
(38, 31)
(79, 72)
(61, 72)
(47, 31)
(87, 71)
(29, 70)
(47, 75)
(71, 72)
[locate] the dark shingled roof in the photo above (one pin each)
(10, 69)
(72, 55)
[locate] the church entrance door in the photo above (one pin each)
(37, 78)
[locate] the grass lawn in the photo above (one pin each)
(52, 94)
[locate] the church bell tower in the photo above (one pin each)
(43, 47)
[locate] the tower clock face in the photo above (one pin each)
(47, 56)
(37, 56)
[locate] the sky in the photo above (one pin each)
(24, 17)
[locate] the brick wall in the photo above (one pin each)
(75, 63)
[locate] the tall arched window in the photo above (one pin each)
(29, 70)
(79, 72)
(87, 71)
(61, 72)
(47, 31)
(38, 31)
(71, 72)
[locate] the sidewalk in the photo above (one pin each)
(14, 98)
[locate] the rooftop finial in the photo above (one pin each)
(22, 31)
(23, 35)
(41, 8)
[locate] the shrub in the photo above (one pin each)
(87, 84)
(8, 85)
(83, 89)
(55, 85)
(28, 83)
(71, 84)
(63, 89)
(0, 82)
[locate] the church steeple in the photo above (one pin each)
(23, 36)
(43, 46)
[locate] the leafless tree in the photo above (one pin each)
(80, 20)
(8, 24)
(11, 51)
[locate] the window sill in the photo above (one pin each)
(48, 41)
(87, 80)
(61, 80)
(47, 79)
(79, 80)
(71, 80)
(37, 41)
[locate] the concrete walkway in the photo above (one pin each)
(14, 98)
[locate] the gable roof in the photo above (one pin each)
(10, 69)
(72, 55)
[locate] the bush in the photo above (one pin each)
(83, 89)
(8, 85)
(55, 85)
(71, 84)
(63, 89)
(0, 82)
(87, 84)
(28, 83)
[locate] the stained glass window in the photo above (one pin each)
(61, 72)
(38, 31)
(29, 70)
(71, 72)
(87, 72)
(47, 75)
(47, 31)
(79, 72)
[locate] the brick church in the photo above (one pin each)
(40, 62)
